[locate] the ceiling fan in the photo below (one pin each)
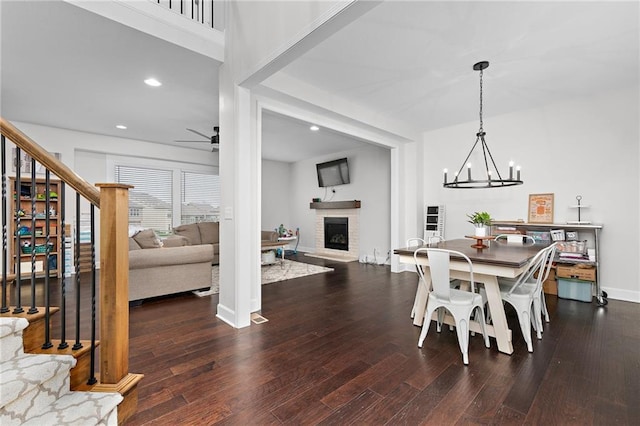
(214, 139)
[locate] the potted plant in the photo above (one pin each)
(481, 221)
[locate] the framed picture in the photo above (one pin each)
(540, 208)
(25, 162)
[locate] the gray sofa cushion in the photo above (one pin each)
(190, 231)
(167, 256)
(133, 245)
(268, 235)
(209, 232)
(175, 241)
(147, 239)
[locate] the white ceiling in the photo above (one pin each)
(410, 61)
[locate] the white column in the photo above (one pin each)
(239, 250)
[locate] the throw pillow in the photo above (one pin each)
(191, 232)
(133, 245)
(147, 239)
(209, 232)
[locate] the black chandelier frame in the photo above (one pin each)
(489, 182)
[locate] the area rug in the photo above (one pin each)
(286, 270)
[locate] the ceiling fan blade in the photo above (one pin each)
(198, 133)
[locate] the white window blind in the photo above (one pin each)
(150, 201)
(200, 194)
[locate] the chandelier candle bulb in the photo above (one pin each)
(510, 170)
(518, 173)
(445, 175)
(468, 171)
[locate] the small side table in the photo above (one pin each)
(479, 241)
(288, 240)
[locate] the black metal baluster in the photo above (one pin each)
(192, 9)
(17, 190)
(92, 379)
(33, 309)
(211, 3)
(181, 7)
(5, 302)
(63, 280)
(47, 219)
(76, 251)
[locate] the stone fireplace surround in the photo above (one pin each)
(348, 209)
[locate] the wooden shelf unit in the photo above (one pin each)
(591, 228)
(38, 229)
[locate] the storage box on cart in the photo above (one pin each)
(569, 288)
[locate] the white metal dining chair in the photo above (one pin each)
(415, 242)
(461, 304)
(419, 242)
(525, 293)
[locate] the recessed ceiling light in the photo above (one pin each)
(314, 128)
(121, 127)
(153, 82)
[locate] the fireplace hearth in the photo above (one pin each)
(336, 233)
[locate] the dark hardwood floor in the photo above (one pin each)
(339, 348)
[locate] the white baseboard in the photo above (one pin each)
(624, 295)
(227, 315)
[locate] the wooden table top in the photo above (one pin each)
(502, 254)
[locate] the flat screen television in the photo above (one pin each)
(333, 173)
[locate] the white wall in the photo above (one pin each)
(369, 170)
(276, 187)
(587, 147)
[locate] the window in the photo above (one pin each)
(200, 197)
(150, 201)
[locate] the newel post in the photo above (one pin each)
(114, 282)
(114, 298)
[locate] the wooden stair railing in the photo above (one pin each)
(112, 199)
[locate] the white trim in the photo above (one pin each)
(624, 295)
(225, 314)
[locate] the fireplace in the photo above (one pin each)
(336, 233)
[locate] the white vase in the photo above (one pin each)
(481, 231)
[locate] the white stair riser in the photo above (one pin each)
(11, 345)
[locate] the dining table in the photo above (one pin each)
(497, 260)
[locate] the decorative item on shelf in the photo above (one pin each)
(481, 221)
(557, 234)
(20, 213)
(24, 230)
(579, 206)
(490, 180)
(540, 208)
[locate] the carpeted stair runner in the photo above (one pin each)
(35, 389)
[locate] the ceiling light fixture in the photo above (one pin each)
(490, 181)
(314, 128)
(121, 127)
(152, 82)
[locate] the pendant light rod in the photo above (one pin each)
(491, 181)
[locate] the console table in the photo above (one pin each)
(601, 296)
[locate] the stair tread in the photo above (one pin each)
(73, 408)
(20, 375)
(30, 317)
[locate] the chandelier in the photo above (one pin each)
(492, 177)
